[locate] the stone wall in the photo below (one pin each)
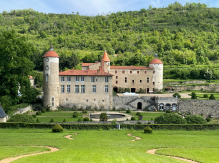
(23, 110)
(205, 107)
(187, 82)
(211, 87)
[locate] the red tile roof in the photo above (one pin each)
(85, 73)
(156, 61)
(105, 57)
(88, 64)
(131, 67)
(30, 77)
(51, 53)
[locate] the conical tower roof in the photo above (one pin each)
(2, 112)
(105, 57)
(51, 53)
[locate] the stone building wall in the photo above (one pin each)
(205, 107)
(211, 87)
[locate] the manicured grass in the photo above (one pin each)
(207, 154)
(12, 151)
(113, 145)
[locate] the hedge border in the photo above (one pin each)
(187, 127)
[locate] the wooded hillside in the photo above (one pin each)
(181, 35)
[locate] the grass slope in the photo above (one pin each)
(109, 146)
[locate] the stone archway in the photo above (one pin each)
(139, 105)
(168, 106)
(174, 107)
(115, 89)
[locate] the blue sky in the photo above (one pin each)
(91, 7)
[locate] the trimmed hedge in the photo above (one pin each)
(110, 126)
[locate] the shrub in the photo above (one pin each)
(37, 121)
(168, 111)
(103, 117)
(148, 130)
(91, 120)
(75, 114)
(52, 120)
(208, 119)
(47, 108)
(57, 128)
(139, 114)
(133, 118)
(43, 111)
(38, 113)
(84, 111)
(169, 118)
(34, 115)
(86, 119)
(138, 122)
(193, 95)
(64, 120)
(212, 97)
(79, 120)
(113, 122)
(195, 119)
(205, 96)
(128, 111)
(22, 118)
(177, 94)
(127, 119)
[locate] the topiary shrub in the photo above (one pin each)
(52, 120)
(22, 118)
(91, 119)
(37, 121)
(205, 96)
(168, 111)
(34, 115)
(103, 117)
(86, 119)
(139, 114)
(43, 110)
(79, 120)
(177, 94)
(38, 113)
(47, 108)
(193, 95)
(195, 119)
(169, 118)
(127, 119)
(128, 111)
(57, 128)
(64, 120)
(208, 119)
(75, 114)
(133, 118)
(84, 111)
(212, 97)
(148, 130)
(138, 123)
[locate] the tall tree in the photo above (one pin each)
(15, 65)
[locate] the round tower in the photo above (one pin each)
(51, 79)
(157, 66)
(105, 62)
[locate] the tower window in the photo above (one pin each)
(125, 79)
(147, 79)
(116, 77)
(123, 71)
(52, 101)
(47, 67)
(153, 83)
(133, 81)
(153, 72)
(145, 72)
(116, 82)
(47, 78)
(140, 81)
(137, 72)
(115, 72)
(47, 59)
(130, 72)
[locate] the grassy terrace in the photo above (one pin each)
(111, 146)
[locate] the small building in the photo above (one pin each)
(3, 115)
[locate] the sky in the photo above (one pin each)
(91, 7)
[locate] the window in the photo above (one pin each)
(77, 79)
(102, 100)
(47, 78)
(106, 79)
(76, 88)
(145, 72)
(82, 88)
(68, 88)
(62, 78)
(123, 71)
(106, 88)
(116, 77)
(66, 99)
(47, 67)
(133, 81)
(94, 88)
(115, 72)
(153, 72)
(82, 79)
(92, 79)
(62, 88)
(125, 79)
(130, 72)
(52, 101)
(140, 81)
(153, 83)
(87, 100)
(116, 82)
(68, 79)
(47, 59)
(147, 79)
(137, 72)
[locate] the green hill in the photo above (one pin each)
(181, 35)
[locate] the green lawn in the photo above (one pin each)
(57, 119)
(114, 145)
